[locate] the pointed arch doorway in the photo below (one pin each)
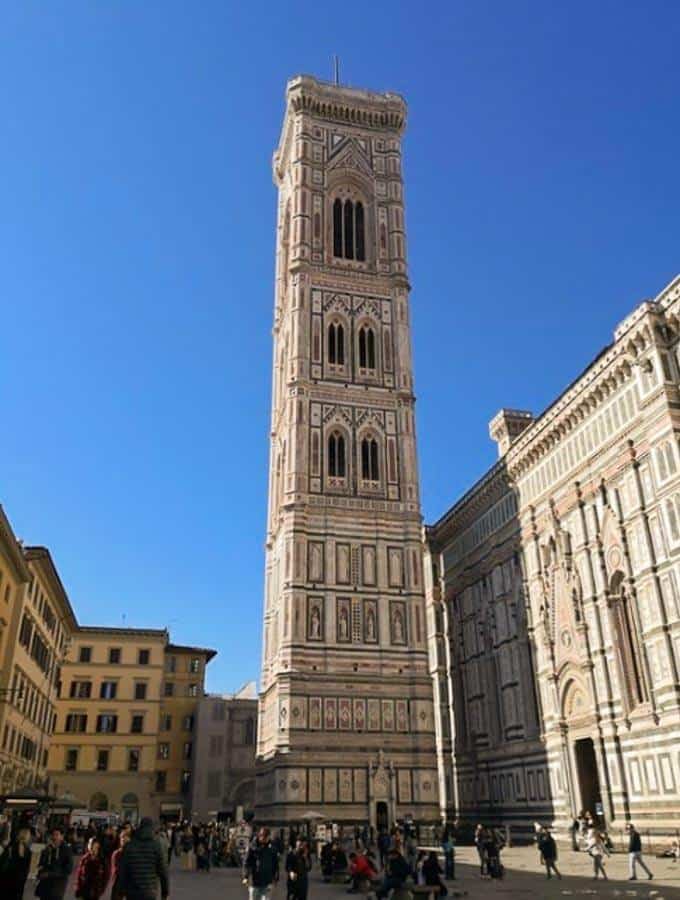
(578, 715)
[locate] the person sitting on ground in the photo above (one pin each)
(361, 871)
(396, 873)
(432, 873)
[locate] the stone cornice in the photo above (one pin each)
(338, 105)
(12, 548)
(645, 326)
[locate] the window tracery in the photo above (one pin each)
(349, 234)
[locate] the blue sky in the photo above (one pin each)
(136, 259)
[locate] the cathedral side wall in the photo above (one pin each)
(593, 549)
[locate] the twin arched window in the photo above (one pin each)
(336, 344)
(337, 467)
(369, 459)
(366, 348)
(349, 241)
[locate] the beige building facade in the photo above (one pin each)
(553, 601)
(224, 769)
(36, 624)
(123, 739)
(346, 717)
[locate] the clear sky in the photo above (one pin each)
(137, 217)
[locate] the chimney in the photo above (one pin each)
(508, 424)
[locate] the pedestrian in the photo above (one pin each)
(432, 873)
(548, 850)
(493, 844)
(449, 850)
(54, 867)
(480, 842)
(383, 847)
(143, 866)
(15, 864)
(164, 842)
(116, 892)
(361, 870)
(93, 872)
(396, 873)
(298, 867)
(635, 854)
(596, 850)
(186, 848)
(261, 868)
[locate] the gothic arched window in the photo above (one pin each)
(336, 344)
(628, 650)
(366, 347)
(369, 459)
(336, 455)
(349, 235)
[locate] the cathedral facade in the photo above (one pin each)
(553, 594)
(346, 718)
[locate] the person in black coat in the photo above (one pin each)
(54, 867)
(15, 864)
(432, 873)
(143, 865)
(548, 850)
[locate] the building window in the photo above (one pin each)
(133, 760)
(26, 632)
(366, 347)
(108, 690)
(184, 783)
(85, 655)
(164, 751)
(107, 724)
(337, 467)
(76, 722)
(348, 230)
(193, 690)
(140, 690)
(336, 344)
(81, 689)
(166, 723)
(169, 689)
(102, 760)
(673, 517)
(143, 658)
(188, 723)
(71, 763)
(137, 724)
(170, 663)
(369, 459)
(249, 737)
(186, 750)
(626, 643)
(195, 665)
(161, 779)
(114, 655)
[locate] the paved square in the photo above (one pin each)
(524, 878)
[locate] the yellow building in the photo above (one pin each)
(104, 746)
(183, 686)
(124, 735)
(36, 623)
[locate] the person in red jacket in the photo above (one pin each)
(361, 870)
(116, 890)
(93, 873)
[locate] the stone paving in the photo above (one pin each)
(524, 878)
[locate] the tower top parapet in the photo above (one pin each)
(347, 105)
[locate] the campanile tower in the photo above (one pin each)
(346, 717)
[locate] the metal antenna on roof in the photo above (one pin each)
(336, 70)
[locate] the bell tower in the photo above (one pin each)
(346, 713)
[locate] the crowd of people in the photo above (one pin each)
(135, 861)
